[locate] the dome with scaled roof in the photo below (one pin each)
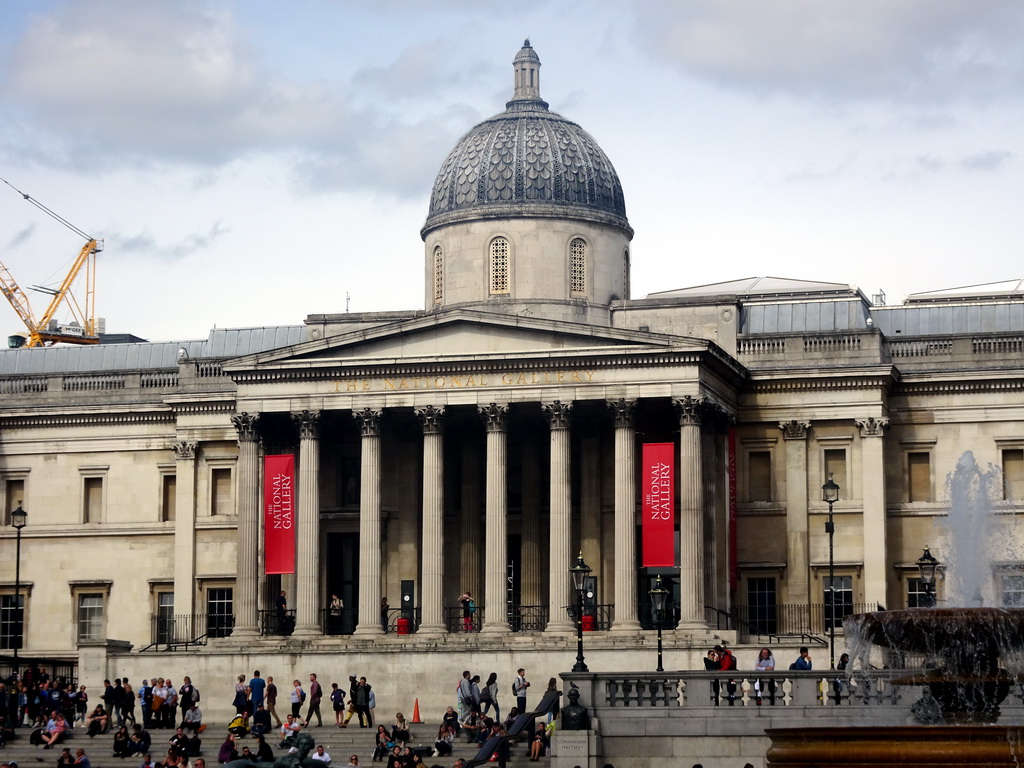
(527, 161)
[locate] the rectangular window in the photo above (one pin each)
(919, 476)
(1012, 588)
(759, 476)
(761, 605)
(1013, 474)
(90, 617)
(10, 626)
(92, 500)
(917, 597)
(220, 491)
(168, 497)
(835, 465)
(220, 612)
(843, 601)
(165, 617)
(14, 496)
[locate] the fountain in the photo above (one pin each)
(970, 660)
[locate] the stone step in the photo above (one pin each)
(340, 743)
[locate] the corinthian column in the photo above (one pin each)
(248, 509)
(369, 524)
(625, 619)
(496, 547)
(560, 528)
(307, 593)
(691, 516)
(432, 550)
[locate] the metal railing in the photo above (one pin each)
(339, 622)
(176, 632)
(276, 622)
(795, 620)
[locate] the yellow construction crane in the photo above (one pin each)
(46, 330)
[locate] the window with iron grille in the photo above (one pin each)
(625, 274)
(917, 596)
(220, 611)
(761, 606)
(499, 265)
(577, 266)
(844, 600)
(438, 275)
(10, 629)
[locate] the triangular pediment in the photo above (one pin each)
(458, 334)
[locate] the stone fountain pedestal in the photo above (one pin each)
(937, 746)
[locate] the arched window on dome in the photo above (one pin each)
(499, 266)
(625, 273)
(438, 275)
(578, 267)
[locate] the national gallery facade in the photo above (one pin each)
(483, 442)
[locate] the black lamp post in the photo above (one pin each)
(830, 494)
(18, 519)
(658, 597)
(927, 565)
(579, 573)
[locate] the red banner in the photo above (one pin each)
(658, 483)
(734, 576)
(279, 513)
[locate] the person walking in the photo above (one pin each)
(272, 701)
(489, 696)
(297, 698)
(316, 693)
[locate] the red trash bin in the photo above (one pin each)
(403, 625)
(589, 622)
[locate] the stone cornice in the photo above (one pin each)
(844, 378)
(85, 419)
(1005, 382)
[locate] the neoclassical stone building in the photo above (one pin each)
(481, 442)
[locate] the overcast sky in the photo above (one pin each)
(252, 162)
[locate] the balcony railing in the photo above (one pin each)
(793, 620)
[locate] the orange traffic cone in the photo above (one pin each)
(416, 712)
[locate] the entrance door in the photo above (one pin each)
(343, 579)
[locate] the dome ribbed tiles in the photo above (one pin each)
(526, 161)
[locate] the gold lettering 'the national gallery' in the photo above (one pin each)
(405, 383)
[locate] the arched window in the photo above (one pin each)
(438, 275)
(499, 265)
(625, 274)
(577, 267)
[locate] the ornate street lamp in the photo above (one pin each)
(579, 573)
(830, 495)
(658, 596)
(19, 518)
(927, 565)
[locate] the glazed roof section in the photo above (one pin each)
(221, 343)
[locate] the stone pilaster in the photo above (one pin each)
(625, 619)
(560, 524)
(496, 509)
(369, 524)
(307, 577)
(432, 549)
(794, 435)
(248, 509)
(873, 495)
(691, 515)
(185, 528)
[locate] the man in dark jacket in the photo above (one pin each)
(360, 698)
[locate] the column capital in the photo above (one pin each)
(715, 417)
(558, 414)
(495, 416)
(691, 410)
(794, 430)
(622, 411)
(369, 421)
(872, 427)
(184, 450)
(245, 425)
(430, 417)
(308, 423)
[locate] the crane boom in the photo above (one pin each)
(12, 291)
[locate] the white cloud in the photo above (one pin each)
(917, 50)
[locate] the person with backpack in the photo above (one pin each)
(297, 698)
(489, 696)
